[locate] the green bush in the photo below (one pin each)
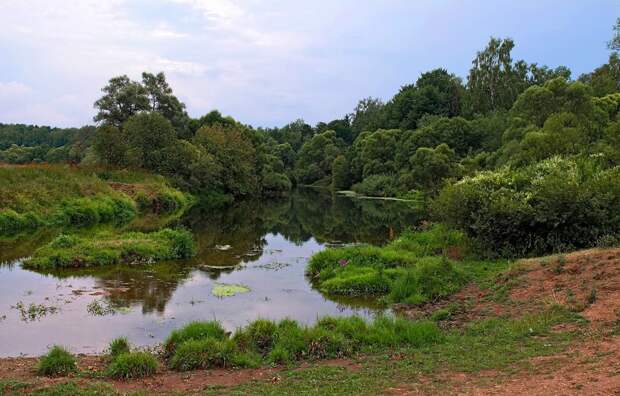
(555, 205)
(132, 365)
(194, 331)
(58, 361)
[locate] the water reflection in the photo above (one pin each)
(264, 245)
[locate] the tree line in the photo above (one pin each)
(509, 131)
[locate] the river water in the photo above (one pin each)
(262, 245)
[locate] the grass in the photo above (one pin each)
(202, 345)
(412, 269)
(109, 249)
(35, 196)
(193, 331)
(130, 365)
(58, 361)
(404, 352)
(118, 346)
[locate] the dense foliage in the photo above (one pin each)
(431, 139)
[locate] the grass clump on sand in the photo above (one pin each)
(412, 269)
(202, 345)
(117, 347)
(108, 249)
(132, 365)
(125, 364)
(57, 362)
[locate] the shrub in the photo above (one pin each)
(118, 347)
(58, 361)
(554, 205)
(194, 331)
(132, 365)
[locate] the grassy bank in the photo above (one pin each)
(415, 268)
(421, 351)
(36, 196)
(110, 248)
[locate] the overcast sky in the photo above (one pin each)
(268, 62)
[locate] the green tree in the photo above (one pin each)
(614, 43)
(368, 116)
(122, 99)
(429, 167)
(315, 158)
(110, 145)
(163, 101)
(234, 150)
(341, 179)
(146, 134)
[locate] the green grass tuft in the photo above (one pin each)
(132, 365)
(57, 362)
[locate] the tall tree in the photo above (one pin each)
(122, 99)
(163, 101)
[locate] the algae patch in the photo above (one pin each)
(228, 290)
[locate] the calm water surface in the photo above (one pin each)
(262, 245)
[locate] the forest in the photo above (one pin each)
(522, 157)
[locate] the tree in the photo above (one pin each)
(368, 116)
(110, 145)
(162, 100)
(614, 43)
(378, 152)
(429, 167)
(605, 79)
(315, 158)
(122, 99)
(341, 179)
(235, 153)
(147, 133)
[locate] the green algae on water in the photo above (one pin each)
(228, 290)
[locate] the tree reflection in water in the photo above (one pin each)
(242, 226)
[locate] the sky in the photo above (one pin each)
(269, 62)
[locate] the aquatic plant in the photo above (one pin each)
(228, 290)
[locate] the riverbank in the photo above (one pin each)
(40, 196)
(522, 331)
